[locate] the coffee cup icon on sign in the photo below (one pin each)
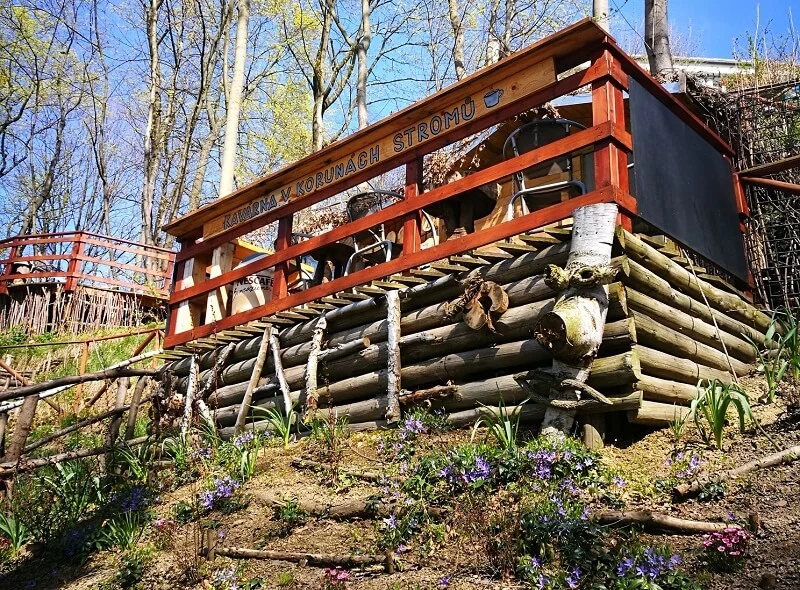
(492, 98)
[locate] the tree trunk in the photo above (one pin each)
(656, 37)
(573, 330)
(362, 46)
(458, 39)
(152, 132)
(22, 429)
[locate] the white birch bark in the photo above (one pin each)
(573, 330)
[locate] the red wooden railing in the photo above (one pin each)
(528, 78)
(87, 259)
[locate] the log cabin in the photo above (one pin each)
(382, 321)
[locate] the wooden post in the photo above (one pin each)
(393, 369)
(254, 377)
(76, 405)
(9, 269)
(280, 282)
(312, 397)
(130, 427)
(22, 429)
(411, 223)
(217, 302)
(186, 315)
(74, 265)
(116, 422)
(610, 161)
(3, 428)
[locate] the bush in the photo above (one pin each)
(725, 551)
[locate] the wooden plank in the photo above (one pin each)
(772, 167)
(426, 273)
(448, 267)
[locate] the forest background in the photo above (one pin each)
(113, 113)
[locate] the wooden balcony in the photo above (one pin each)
(581, 57)
(85, 259)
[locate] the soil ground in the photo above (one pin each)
(768, 498)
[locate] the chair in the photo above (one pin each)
(377, 244)
(529, 137)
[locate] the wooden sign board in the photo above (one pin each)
(391, 142)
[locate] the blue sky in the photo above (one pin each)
(710, 26)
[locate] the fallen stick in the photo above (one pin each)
(346, 510)
(316, 465)
(656, 521)
(77, 426)
(788, 456)
(10, 468)
(73, 380)
(312, 559)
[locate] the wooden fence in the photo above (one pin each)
(85, 259)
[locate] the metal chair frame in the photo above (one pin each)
(378, 233)
(519, 177)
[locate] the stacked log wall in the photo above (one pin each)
(660, 339)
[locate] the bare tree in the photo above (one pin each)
(656, 37)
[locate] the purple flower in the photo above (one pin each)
(444, 582)
(574, 577)
(618, 481)
(243, 440)
(624, 566)
(391, 522)
(134, 502)
(414, 425)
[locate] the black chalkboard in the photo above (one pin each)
(683, 186)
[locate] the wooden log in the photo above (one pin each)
(310, 559)
(118, 370)
(22, 429)
(393, 367)
(3, 431)
(594, 431)
(664, 390)
(786, 456)
(649, 284)
(188, 401)
(346, 510)
(682, 279)
(667, 366)
(9, 468)
(573, 329)
(653, 334)
(657, 414)
(254, 377)
(655, 522)
(119, 403)
(313, 363)
(516, 275)
(527, 413)
(136, 400)
(77, 426)
(691, 327)
(275, 345)
(355, 473)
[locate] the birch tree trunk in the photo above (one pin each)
(458, 39)
(362, 46)
(222, 257)
(573, 330)
(656, 37)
